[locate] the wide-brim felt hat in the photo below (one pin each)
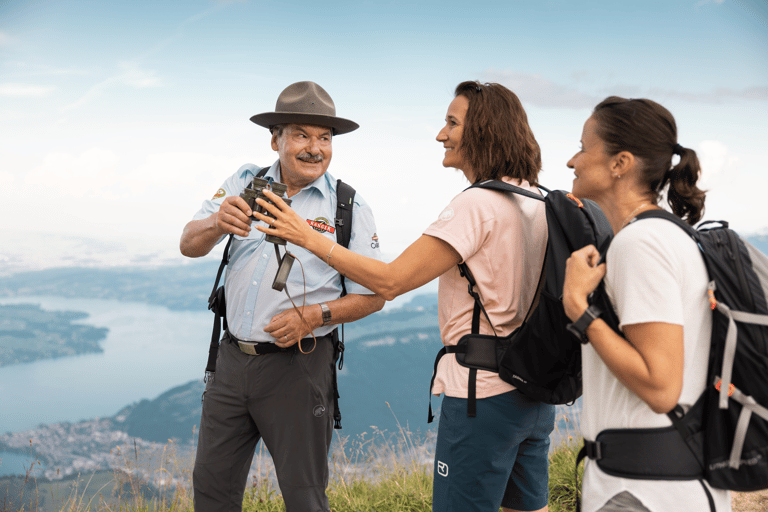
(305, 103)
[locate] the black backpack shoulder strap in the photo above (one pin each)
(464, 271)
(217, 304)
(500, 186)
(664, 214)
(345, 198)
(507, 187)
(225, 259)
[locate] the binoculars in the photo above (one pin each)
(255, 190)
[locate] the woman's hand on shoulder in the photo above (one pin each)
(582, 275)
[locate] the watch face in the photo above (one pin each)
(326, 313)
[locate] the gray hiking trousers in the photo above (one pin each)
(286, 399)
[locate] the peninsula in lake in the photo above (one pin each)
(28, 333)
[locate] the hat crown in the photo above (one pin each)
(305, 98)
(305, 103)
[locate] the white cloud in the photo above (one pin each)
(135, 77)
(25, 90)
(540, 91)
(132, 75)
(6, 39)
(537, 90)
(7, 179)
(702, 3)
(715, 96)
(719, 167)
(733, 188)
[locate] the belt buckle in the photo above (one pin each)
(247, 348)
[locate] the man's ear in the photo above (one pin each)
(275, 147)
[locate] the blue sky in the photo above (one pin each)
(118, 118)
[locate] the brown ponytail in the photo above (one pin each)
(648, 131)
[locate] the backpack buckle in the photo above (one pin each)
(593, 450)
(731, 387)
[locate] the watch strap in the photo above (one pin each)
(326, 313)
(579, 327)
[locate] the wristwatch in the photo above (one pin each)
(579, 327)
(326, 313)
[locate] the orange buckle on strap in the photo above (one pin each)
(712, 299)
(731, 387)
(578, 201)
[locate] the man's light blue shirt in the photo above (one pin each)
(251, 301)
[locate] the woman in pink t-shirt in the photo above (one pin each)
(500, 456)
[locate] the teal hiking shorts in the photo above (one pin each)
(498, 458)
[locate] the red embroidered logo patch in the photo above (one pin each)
(321, 224)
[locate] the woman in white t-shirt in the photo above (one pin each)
(656, 280)
(500, 456)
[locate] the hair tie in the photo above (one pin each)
(678, 150)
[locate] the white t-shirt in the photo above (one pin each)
(502, 237)
(655, 274)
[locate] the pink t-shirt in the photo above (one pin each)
(502, 237)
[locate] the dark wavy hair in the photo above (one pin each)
(497, 140)
(648, 131)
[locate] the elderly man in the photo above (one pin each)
(270, 383)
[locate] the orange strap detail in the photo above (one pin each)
(731, 387)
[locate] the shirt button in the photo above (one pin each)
(247, 313)
(255, 283)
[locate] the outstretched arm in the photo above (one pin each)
(425, 259)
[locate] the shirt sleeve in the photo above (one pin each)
(364, 240)
(463, 224)
(232, 186)
(644, 272)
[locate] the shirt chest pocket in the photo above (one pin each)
(244, 248)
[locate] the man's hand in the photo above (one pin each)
(234, 216)
(288, 328)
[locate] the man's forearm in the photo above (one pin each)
(199, 237)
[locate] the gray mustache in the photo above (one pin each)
(307, 157)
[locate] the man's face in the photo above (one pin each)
(305, 151)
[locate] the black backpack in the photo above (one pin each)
(723, 437)
(541, 358)
(345, 195)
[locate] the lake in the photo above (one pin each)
(148, 350)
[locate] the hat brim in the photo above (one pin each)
(339, 124)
